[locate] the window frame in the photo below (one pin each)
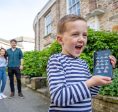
(48, 24)
(72, 7)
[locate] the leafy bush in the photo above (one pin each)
(31, 63)
(99, 40)
(35, 62)
(112, 89)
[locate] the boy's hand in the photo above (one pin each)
(98, 81)
(113, 60)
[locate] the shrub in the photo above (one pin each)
(31, 63)
(99, 40)
(35, 62)
(112, 89)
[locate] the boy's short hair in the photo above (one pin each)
(67, 18)
(13, 40)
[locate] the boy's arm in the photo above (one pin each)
(63, 94)
(94, 90)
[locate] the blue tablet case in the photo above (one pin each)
(102, 64)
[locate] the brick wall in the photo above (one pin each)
(57, 10)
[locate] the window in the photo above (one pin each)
(48, 26)
(74, 7)
(93, 23)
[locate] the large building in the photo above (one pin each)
(100, 15)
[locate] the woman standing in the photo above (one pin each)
(3, 77)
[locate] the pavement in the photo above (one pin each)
(32, 102)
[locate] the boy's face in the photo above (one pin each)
(74, 39)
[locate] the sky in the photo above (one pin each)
(17, 16)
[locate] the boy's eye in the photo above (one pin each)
(75, 34)
(85, 35)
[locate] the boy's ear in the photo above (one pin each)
(60, 39)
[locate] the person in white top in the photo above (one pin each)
(3, 77)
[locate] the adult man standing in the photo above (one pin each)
(15, 64)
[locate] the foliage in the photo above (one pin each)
(31, 63)
(99, 40)
(35, 62)
(112, 89)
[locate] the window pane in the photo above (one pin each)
(70, 2)
(77, 1)
(48, 24)
(72, 10)
(74, 7)
(73, 2)
(78, 12)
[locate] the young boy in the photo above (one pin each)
(70, 82)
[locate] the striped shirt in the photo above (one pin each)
(66, 78)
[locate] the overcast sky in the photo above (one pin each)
(17, 16)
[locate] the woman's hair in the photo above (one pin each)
(5, 55)
(61, 27)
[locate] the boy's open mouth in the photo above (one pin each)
(78, 47)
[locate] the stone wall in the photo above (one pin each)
(106, 20)
(105, 104)
(99, 103)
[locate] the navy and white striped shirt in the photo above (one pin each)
(66, 78)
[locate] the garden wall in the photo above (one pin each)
(105, 104)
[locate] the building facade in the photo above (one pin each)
(100, 15)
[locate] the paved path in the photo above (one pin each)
(33, 102)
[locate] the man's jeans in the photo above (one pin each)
(3, 79)
(11, 72)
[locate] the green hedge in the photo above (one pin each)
(35, 62)
(98, 40)
(112, 89)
